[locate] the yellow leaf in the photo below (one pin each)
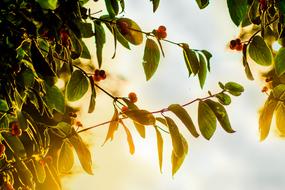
(140, 128)
(129, 139)
(113, 126)
(141, 116)
(159, 140)
(280, 119)
(265, 117)
(177, 161)
(175, 137)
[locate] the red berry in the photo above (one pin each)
(78, 124)
(97, 72)
(42, 162)
(124, 108)
(264, 89)
(132, 97)
(162, 28)
(238, 41)
(96, 78)
(15, 129)
(239, 47)
(2, 149)
(233, 44)
(123, 27)
(8, 186)
(102, 74)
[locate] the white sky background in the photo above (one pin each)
(227, 161)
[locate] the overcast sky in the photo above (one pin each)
(228, 161)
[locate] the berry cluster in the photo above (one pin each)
(236, 45)
(160, 33)
(15, 129)
(99, 75)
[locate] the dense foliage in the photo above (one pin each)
(41, 43)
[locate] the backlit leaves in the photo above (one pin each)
(259, 51)
(177, 161)
(66, 158)
(129, 139)
(83, 152)
(48, 4)
(265, 117)
(77, 86)
(175, 137)
(100, 40)
(130, 30)
(114, 124)
(206, 120)
(279, 62)
(159, 141)
(142, 117)
(280, 119)
(3, 105)
(182, 114)
(151, 58)
(237, 10)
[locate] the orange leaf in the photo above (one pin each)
(113, 126)
(129, 138)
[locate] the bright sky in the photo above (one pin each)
(228, 161)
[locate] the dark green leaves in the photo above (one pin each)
(112, 7)
(191, 60)
(202, 3)
(54, 98)
(100, 40)
(3, 106)
(15, 145)
(182, 114)
(279, 62)
(155, 4)
(202, 74)
(206, 120)
(77, 86)
(237, 10)
(151, 58)
(259, 51)
(234, 88)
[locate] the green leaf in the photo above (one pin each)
(130, 30)
(177, 161)
(208, 56)
(76, 46)
(155, 4)
(162, 121)
(131, 105)
(40, 171)
(112, 7)
(54, 98)
(114, 124)
(100, 39)
(237, 10)
(140, 128)
(129, 139)
(224, 98)
(280, 119)
(121, 38)
(151, 58)
(259, 51)
(4, 123)
(22, 120)
(202, 3)
(77, 86)
(3, 106)
(142, 117)
(279, 92)
(27, 78)
(62, 129)
(221, 115)
(24, 173)
(206, 120)
(93, 95)
(233, 88)
(65, 159)
(279, 62)
(191, 60)
(159, 141)
(85, 52)
(82, 151)
(175, 137)
(182, 114)
(265, 117)
(15, 145)
(202, 73)
(85, 29)
(48, 4)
